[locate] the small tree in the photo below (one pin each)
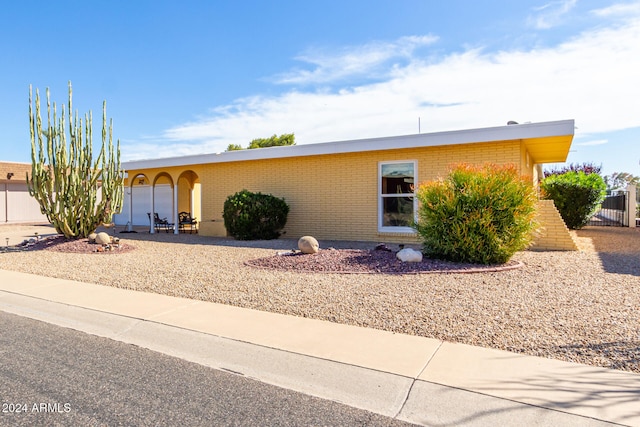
(273, 141)
(619, 180)
(477, 214)
(234, 147)
(65, 179)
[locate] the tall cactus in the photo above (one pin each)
(64, 178)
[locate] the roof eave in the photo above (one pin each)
(529, 131)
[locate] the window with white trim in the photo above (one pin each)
(396, 201)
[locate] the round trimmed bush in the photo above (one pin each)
(254, 216)
(576, 194)
(480, 215)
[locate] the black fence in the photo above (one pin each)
(612, 211)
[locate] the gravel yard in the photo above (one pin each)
(576, 306)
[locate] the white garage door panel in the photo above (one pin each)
(20, 206)
(3, 204)
(164, 201)
(142, 204)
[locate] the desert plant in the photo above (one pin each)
(254, 216)
(65, 180)
(477, 214)
(576, 194)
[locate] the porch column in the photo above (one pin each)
(176, 217)
(152, 230)
(131, 205)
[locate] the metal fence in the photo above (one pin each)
(612, 211)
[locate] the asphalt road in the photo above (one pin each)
(55, 376)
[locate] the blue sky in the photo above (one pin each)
(195, 76)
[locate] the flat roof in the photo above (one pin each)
(547, 142)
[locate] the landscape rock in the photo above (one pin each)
(409, 255)
(92, 237)
(103, 238)
(308, 245)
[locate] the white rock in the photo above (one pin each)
(308, 245)
(409, 255)
(92, 237)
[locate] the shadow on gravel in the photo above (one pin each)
(623, 355)
(283, 243)
(618, 248)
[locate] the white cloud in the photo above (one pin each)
(591, 78)
(551, 14)
(592, 143)
(352, 61)
(622, 10)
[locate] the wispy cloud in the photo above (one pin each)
(593, 143)
(622, 10)
(591, 77)
(353, 61)
(551, 14)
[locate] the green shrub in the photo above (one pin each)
(254, 216)
(576, 194)
(477, 214)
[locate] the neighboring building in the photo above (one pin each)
(348, 190)
(16, 205)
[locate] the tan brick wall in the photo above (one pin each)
(554, 234)
(335, 196)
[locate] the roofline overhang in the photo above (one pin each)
(527, 131)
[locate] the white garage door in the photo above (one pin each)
(142, 204)
(18, 206)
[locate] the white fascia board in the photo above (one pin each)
(468, 136)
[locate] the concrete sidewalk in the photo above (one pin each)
(421, 380)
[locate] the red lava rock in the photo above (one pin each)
(78, 246)
(368, 261)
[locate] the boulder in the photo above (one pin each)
(103, 238)
(409, 255)
(308, 245)
(92, 237)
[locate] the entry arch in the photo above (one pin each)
(188, 197)
(162, 199)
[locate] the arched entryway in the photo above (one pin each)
(165, 193)
(188, 198)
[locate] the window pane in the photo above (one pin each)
(397, 211)
(397, 178)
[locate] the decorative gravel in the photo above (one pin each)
(581, 306)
